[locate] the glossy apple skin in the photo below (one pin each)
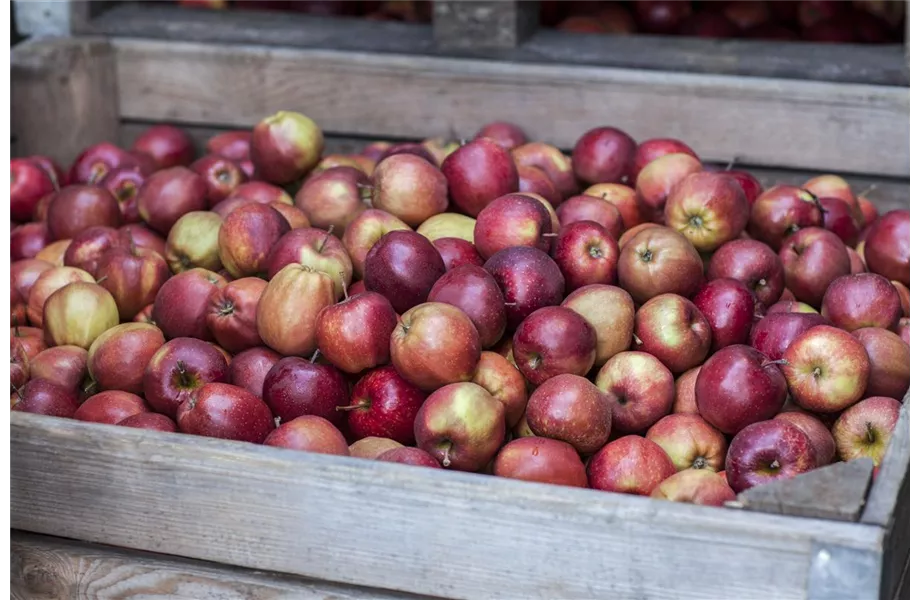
(836, 187)
(611, 312)
(512, 220)
(354, 334)
(739, 386)
(590, 208)
(150, 420)
(124, 183)
(409, 456)
(221, 176)
(749, 184)
(403, 266)
(309, 433)
(221, 410)
(246, 238)
(827, 369)
(43, 397)
(372, 447)
(333, 198)
(695, 486)
(296, 387)
(690, 442)
(448, 225)
(506, 384)
(550, 160)
(652, 149)
(63, 365)
(79, 207)
(178, 370)
(181, 306)
(729, 308)
(640, 390)
(118, 358)
(46, 284)
(285, 146)
(629, 465)
(24, 273)
(169, 194)
(659, 260)
(623, 198)
(783, 210)
(603, 155)
(231, 314)
(143, 237)
(249, 368)
(88, 246)
(752, 263)
(77, 314)
(507, 135)
(27, 240)
(29, 183)
(365, 231)
(839, 218)
(410, 188)
(474, 291)
(535, 181)
(287, 311)
(865, 300)
(889, 362)
(673, 330)
(383, 404)
(261, 192)
(110, 407)
(587, 254)
(230, 144)
(552, 341)
(168, 146)
(768, 451)
(819, 435)
(773, 334)
(316, 249)
(660, 177)
(94, 163)
(477, 173)
(192, 242)
(888, 246)
(572, 409)
(865, 429)
(542, 460)
(812, 258)
(529, 280)
(461, 425)
(709, 209)
(133, 276)
(456, 252)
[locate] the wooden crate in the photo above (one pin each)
(277, 523)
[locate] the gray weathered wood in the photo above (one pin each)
(402, 528)
(43, 567)
(840, 572)
(50, 17)
(807, 125)
(836, 491)
(63, 96)
(484, 24)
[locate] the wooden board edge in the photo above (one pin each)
(892, 473)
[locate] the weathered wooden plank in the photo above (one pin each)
(768, 122)
(870, 64)
(49, 568)
(63, 96)
(836, 491)
(484, 24)
(396, 527)
(50, 17)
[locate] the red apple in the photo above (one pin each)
(372, 447)
(695, 486)
(773, 334)
(334, 198)
(118, 358)
(640, 390)
(78, 207)
(363, 233)
(168, 146)
(659, 260)
(752, 263)
(710, 209)
(834, 186)
(456, 252)
(768, 451)
(181, 305)
(44, 397)
(536, 181)
(230, 144)
(690, 442)
(506, 384)
(623, 198)
(629, 465)
(124, 184)
(178, 370)
(611, 312)
(864, 430)
(403, 266)
(410, 188)
(793, 306)
(410, 148)
(903, 330)
(659, 177)
(51, 169)
(507, 135)
(169, 194)
(133, 276)
(818, 434)
(309, 433)
(409, 456)
(904, 294)
(287, 311)
(551, 160)
(839, 218)
(19, 364)
(552, 341)
(812, 258)
(888, 246)
(221, 410)
(249, 368)
(354, 334)
(29, 183)
(30, 338)
(246, 238)
(865, 300)
(316, 249)
(295, 217)
(542, 460)
(529, 280)
(572, 409)
(231, 314)
(889, 362)
(383, 404)
(77, 314)
(110, 407)
(62, 365)
(587, 254)
(673, 330)
(151, 421)
(221, 176)
(649, 150)
(590, 208)
(88, 246)
(685, 393)
(97, 161)
(141, 236)
(473, 290)
(869, 211)
(285, 146)
(261, 192)
(729, 308)
(24, 273)
(603, 155)
(27, 240)
(783, 210)
(296, 387)
(512, 220)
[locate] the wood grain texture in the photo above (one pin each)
(397, 527)
(63, 96)
(483, 24)
(768, 122)
(48, 568)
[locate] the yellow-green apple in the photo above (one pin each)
(110, 407)
(659, 177)
(461, 425)
(553, 341)
(739, 386)
(535, 181)
(693, 486)
(817, 432)
(590, 208)
(118, 358)
(231, 314)
(654, 148)
(448, 225)
(623, 198)
(889, 362)
(629, 465)
(729, 308)
(529, 280)
(474, 291)
(507, 135)
(169, 194)
(314, 248)
(611, 312)
(888, 246)
(246, 239)
(603, 155)
(456, 252)
(372, 447)
(839, 217)
(88, 246)
(542, 460)
(43, 397)
(178, 370)
(551, 160)
(864, 300)
(78, 207)
(435, 344)
(221, 410)
(834, 186)
(334, 198)
(63, 365)
(249, 368)
(354, 334)
(181, 306)
(768, 451)
(773, 333)
(512, 220)
(752, 263)
(296, 386)
(709, 209)
(673, 330)
(812, 258)
(287, 311)
(77, 314)
(659, 260)
(827, 369)
(409, 187)
(685, 393)
(640, 390)
(167, 145)
(506, 384)
(48, 282)
(192, 242)
(363, 233)
(410, 456)
(383, 404)
(285, 146)
(309, 433)
(782, 210)
(133, 276)
(477, 173)
(865, 429)
(403, 266)
(690, 442)
(572, 409)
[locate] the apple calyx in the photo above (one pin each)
(226, 308)
(184, 379)
(698, 463)
(870, 434)
(647, 256)
(446, 446)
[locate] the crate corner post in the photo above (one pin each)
(481, 24)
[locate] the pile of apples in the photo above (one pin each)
(625, 319)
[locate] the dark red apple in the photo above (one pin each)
(94, 163)
(110, 407)
(168, 146)
(529, 280)
(78, 207)
(749, 184)
(654, 148)
(474, 291)
(812, 258)
(133, 276)
(230, 144)
(29, 183)
(354, 334)
(591, 208)
(285, 146)
(752, 263)
(768, 451)
(178, 370)
(629, 465)
(43, 397)
(542, 460)
(119, 357)
(249, 368)
(552, 341)
(309, 433)
(151, 421)
(403, 266)
(296, 387)
(383, 404)
(221, 410)
(507, 135)
(864, 300)
(169, 194)
(659, 260)
(456, 252)
(477, 173)
(640, 390)
(729, 308)
(781, 211)
(587, 254)
(409, 456)
(773, 333)
(512, 220)
(889, 362)
(839, 218)
(28, 240)
(603, 155)
(888, 246)
(221, 176)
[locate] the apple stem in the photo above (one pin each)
(315, 356)
(101, 279)
(328, 233)
(867, 191)
(344, 285)
(781, 362)
(550, 235)
(637, 340)
(361, 404)
(731, 163)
